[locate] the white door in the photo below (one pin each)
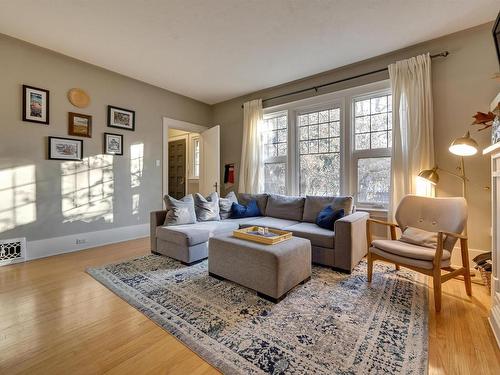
(210, 161)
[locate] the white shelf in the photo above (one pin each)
(491, 148)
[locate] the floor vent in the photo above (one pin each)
(12, 251)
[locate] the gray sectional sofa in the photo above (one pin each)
(341, 248)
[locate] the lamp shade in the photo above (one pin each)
(430, 175)
(464, 146)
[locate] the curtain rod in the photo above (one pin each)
(315, 88)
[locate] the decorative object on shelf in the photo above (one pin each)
(259, 234)
(65, 148)
(78, 98)
(462, 146)
(79, 125)
(35, 105)
(484, 119)
(121, 118)
(113, 144)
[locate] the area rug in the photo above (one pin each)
(334, 324)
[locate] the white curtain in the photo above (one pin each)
(412, 121)
(251, 167)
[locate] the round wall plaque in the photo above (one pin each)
(78, 98)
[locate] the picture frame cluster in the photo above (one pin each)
(36, 109)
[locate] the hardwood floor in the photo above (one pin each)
(56, 319)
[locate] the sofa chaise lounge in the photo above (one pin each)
(341, 248)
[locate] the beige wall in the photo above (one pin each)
(462, 85)
(127, 199)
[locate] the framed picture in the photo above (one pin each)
(121, 118)
(35, 105)
(65, 149)
(113, 144)
(79, 125)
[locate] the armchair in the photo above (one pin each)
(445, 216)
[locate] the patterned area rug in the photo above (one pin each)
(334, 324)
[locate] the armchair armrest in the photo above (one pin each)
(392, 226)
(452, 234)
(350, 244)
(157, 218)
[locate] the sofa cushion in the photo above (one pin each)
(207, 209)
(270, 222)
(314, 204)
(225, 205)
(182, 236)
(193, 234)
(245, 198)
(285, 207)
(180, 211)
(408, 250)
(242, 221)
(318, 236)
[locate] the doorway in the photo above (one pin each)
(191, 158)
(183, 162)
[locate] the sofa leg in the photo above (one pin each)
(271, 299)
(192, 263)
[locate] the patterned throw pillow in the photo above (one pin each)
(180, 211)
(207, 209)
(328, 216)
(225, 205)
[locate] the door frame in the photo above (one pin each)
(179, 125)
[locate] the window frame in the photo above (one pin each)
(282, 158)
(343, 99)
(355, 155)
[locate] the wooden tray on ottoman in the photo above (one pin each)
(277, 236)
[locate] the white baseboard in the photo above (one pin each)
(67, 244)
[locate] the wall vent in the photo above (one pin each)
(12, 251)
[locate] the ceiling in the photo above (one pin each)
(214, 50)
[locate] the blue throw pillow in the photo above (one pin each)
(328, 216)
(239, 211)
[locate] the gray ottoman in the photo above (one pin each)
(271, 270)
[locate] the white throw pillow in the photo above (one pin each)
(420, 237)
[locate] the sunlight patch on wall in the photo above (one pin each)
(87, 189)
(136, 164)
(17, 196)
(135, 204)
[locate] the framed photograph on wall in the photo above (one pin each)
(79, 125)
(121, 118)
(35, 105)
(65, 148)
(113, 144)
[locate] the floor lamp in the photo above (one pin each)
(463, 146)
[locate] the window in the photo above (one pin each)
(196, 157)
(333, 144)
(319, 152)
(372, 149)
(275, 144)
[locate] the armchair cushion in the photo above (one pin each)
(425, 264)
(407, 250)
(419, 237)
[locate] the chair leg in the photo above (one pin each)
(370, 267)
(397, 267)
(465, 263)
(436, 283)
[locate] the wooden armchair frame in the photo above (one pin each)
(435, 272)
